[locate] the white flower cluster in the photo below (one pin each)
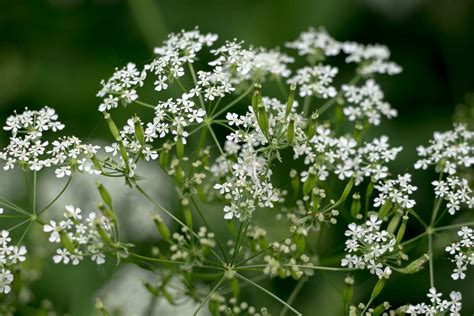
(9, 256)
(456, 192)
(28, 151)
(247, 183)
(177, 50)
(250, 64)
(371, 58)
(244, 168)
(367, 247)
(463, 251)
(314, 42)
(396, 191)
(438, 305)
(316, 81)
(121, 87)
(448, 151)
(368, 101)
(79, 237)
(285, 260)
(325, 152)
(182, 247)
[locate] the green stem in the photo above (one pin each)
(228, 106)
(208, 226)
(147, 105)
(57, 196)
(240, 276)
(293, 295)
(331, 101)
(177, 220)
(209, 295)
(34, 191)
(453, 226)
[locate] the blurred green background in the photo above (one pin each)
(55, 53)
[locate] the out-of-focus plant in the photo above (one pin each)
(315, 125)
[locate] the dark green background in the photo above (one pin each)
(55, 53)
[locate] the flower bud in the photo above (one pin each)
(291, 99)
(393, 224)
(300, 242)
(104, 194)
(356, 205)
(139, 132)
(103, 234)
(415, 265)
(164, 157)
(107, 212)
(256, 98)
(295, 181)
(96, 162)
(385, 209)
(188, 216)
(66, 242)
(312, 125)
(162, 228)
(291, 131)
(348, 291)
(347, 190)
(113, 128)
(234, 285)
(152, 289)
(379, 309)
(263, 118)
(180, 146)
(401, 230)
(310, 182)
(378, 287)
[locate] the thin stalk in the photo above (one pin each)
(193, 75)
(452, 226)
(302, 267)
(24, 233)
(57, 197)
(430, 250)
(177, 220)
(209, 295)
(422, 222)
(208, 226)
(240, 276)
(228, 106)
(34, 191)
(147, 105)
(331, 101)
(293, 295)
(19, 224)
(367, 306)
(414, 239)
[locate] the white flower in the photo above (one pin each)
(463, 251)
(448, 151)
(6, 278)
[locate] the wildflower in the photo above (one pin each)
(367, 246)
(455, 191)
(367, 103)
(10, 256)
(448, 151)
(463, 252)
(397, 191)
(28, 151)
(82, 237)
(438, 305)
